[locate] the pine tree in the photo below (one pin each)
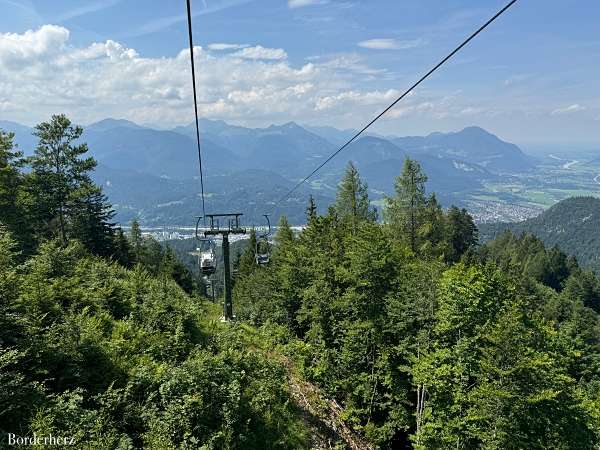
(404, 212)
(137, 241)
(90, 223)
(311, 210)
(122, 249)
(432, 232)
(284, 235)
(352, 200)
(462, 233)
(59, 172)
(247, 263)
(13, 211)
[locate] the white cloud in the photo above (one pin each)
(260, 52)
(355, 98)
(43, 73)
(222, 46)
(517, 79)
(349, 62)
(301, 3)
(19, 49)
(568, 110)
(391, 44)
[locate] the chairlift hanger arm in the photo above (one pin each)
(268, 232)
(225, 215)
(198, 226)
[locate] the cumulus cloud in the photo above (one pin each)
(293, 4)
(354, 98)
(568, 110)
(260, 52)
(222, 46)
(390, 44)
(18, 49)
(42, 73)
(47, 75)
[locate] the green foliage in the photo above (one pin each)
(120, 358)
(13, 203)
(247, 263)
(462, 233)
(496, 377)
(420, 223)
(59, 177)
(352, 201)
(99, 337)
(57, 197)
(526, 256)
(405, 211)
(445, 347)
(571, 224)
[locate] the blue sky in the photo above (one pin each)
(531, 77)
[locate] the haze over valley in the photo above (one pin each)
(152, 174)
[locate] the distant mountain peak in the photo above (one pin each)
(110, 123)
(475, 129)
(287, 126)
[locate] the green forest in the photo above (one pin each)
(571, 224)
(374, 329)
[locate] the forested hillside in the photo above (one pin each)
(573, 225)
(371, 329)
(426, 340)
(100, 339)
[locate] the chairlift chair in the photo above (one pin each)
(206, 252)
(263, 248)
(208, 262)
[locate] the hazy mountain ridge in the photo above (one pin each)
(153, 173)
(472, 144)
(573, 225)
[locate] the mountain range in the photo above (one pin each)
(153, 174)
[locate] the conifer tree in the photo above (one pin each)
(284, 234)
(60, 173)
(404, 211)
(90, 222)
(137, 241)
(122, 249)
(9, 177)
(12, 211)
(311, 210)
(433, 229)
(247, 263)
(462, 232)
(352, 200)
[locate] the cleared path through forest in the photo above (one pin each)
(323, 415)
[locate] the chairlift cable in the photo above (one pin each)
(410, 89)
(189, 19)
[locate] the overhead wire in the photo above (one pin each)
(189, 19)
(410, 89)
